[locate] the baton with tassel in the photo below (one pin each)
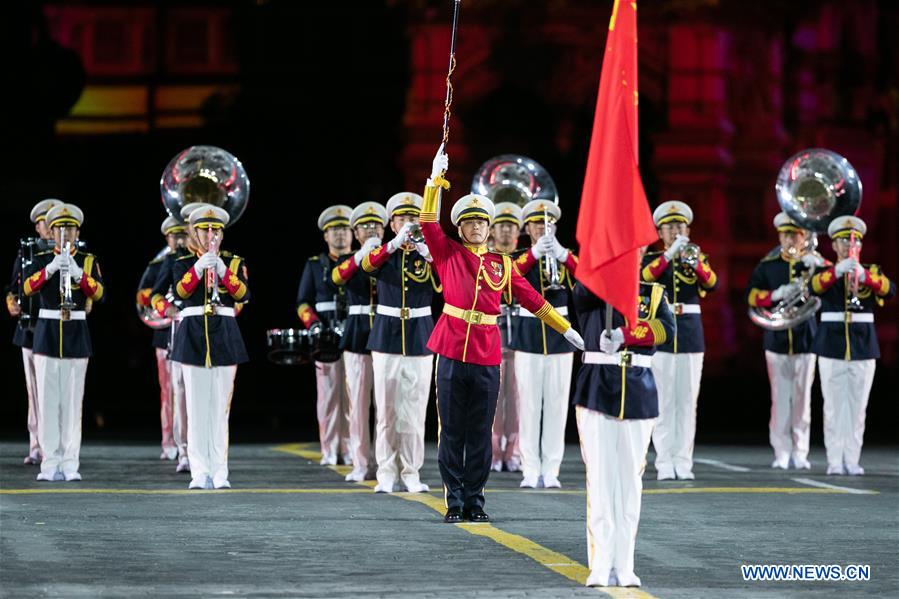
(449, 75)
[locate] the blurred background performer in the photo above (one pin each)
(171, 229)
(317, 303)
(402, 362)
(616, 406)
(504, 237)
(25, 310)
(208, 344)
(467, 342)
(543, 358)
(791, 363)
(367, 220)
(164, 288)
(65, 280)
(685, 273)
(846, 342)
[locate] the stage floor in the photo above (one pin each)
(292, 528)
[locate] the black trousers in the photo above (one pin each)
(466, 404)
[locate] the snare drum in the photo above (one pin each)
(289, 347)
(326, 345)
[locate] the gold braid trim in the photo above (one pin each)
(552, 319)
(658, 331)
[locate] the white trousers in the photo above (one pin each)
(791, 378)
(402, 385)
(543, 383)
(332, 408)
(60, 393)
(614, 452)
(677, 380)
(209, 392)
(359, 383)
(33, 411)
(845, 385)
(179, 411)
(505, 423)
(166, 407)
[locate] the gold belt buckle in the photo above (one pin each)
(404, 313)
(372, 310)
(209, 310)
(625, 359)
(472, 316)
(678, 309)
(65, 314)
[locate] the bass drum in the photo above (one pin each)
(289, 347)
(326, 346)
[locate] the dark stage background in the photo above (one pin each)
(341, 102)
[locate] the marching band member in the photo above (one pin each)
(402, 361)
(317, 301)
(791, 363)
(171, 229)
(24, 333)
(543, 358)
(616, 406)
(62, 344)
(163, 288)
(466, 339)
(677, 365)
(208, 344)
(367, 220)
(504, 234)
(846, 343)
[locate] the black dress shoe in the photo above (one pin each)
(453, 516)
(476, 514)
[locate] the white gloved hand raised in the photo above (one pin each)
(558, 250)
(812, 261)
(543, 247)
(422, 248)
(220, 267)
(674, 249)
(610, 343)
(75, 271)
(401, 238)
(574, 338)
(58, 261)
(785, 290)
(370, 244)
(440, 164)
(846, 266)
(205, 262)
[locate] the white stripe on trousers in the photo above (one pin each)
(209, 392)
(677, 379)
(402, 385)
(505, 423)
(179, 411)
(791, 378)
(359, 395)
(166, 409)
(543, 383)
(332, 409)
(614, 452)
(845, 385)
(33, 410)
(60, 393)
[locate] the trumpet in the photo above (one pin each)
(65, 281)
(415, 234)
(689, 255)
(855, 250)
(550, 264)
(212, 280)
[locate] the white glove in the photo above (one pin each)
(58, 261)
(205, 262)
(609, 344)
(220, 268)
(674, 249)
(401, 238)
(422, 249)
(784, 291)
(543, 247)
(846, 266)
(574, 338)
(558, 250)
(75, 271)
(812, 261)
(440, 164)
(370, 244)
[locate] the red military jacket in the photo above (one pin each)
(474, 279)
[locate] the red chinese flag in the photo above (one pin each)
(614, 221)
